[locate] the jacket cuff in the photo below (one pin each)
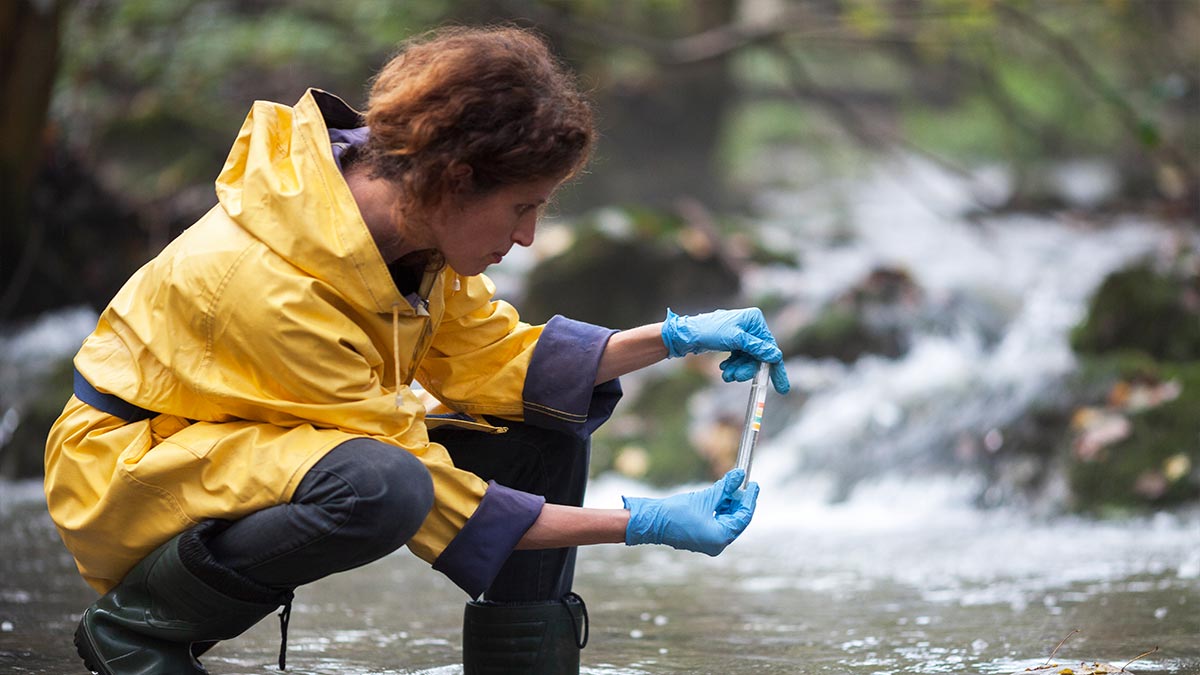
(560, 391)
(474, 557)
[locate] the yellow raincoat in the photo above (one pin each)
(267, 334)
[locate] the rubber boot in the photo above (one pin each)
(534, 638)
(176, 596)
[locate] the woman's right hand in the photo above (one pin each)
(705, 521)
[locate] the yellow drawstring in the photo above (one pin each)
(396, 348)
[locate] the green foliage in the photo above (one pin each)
(1032, 98)
(963, 78)
(1149, 133)
(972, 130)
(760, 68)
(759, 125)
(155, 89)
(869, 19)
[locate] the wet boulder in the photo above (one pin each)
(1150, 307)
(1139, 447)
(875, 316)
(1118, 436)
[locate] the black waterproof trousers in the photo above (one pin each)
(366, 499)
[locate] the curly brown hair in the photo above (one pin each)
(492, 99)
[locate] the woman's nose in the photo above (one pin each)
(523, 235)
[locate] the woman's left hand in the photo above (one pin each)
(743, 332)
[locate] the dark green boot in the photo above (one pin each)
(535, 638)
(176, 596)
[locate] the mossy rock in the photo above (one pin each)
(875, 316)
(1163, 442)
(1140, 308)
(1040, 457)
(845, 334)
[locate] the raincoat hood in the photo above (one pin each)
(281, 184)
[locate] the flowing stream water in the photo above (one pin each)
(901, 578)
(867, 556)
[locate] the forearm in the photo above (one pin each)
(561, 526)
(631, 350)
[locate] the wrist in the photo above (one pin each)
(630, 350)
(674, 335)
(560, 526)
(640, 528)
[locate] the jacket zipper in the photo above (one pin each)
(422, 309)
(419, 347)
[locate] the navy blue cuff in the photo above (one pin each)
(560, 387)
(474, 557)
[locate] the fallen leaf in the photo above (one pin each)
(1176, 467)
(1097, 429)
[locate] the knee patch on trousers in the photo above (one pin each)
(384, 491)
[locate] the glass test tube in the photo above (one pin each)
(754, 414)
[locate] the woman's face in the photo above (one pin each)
(476, 231)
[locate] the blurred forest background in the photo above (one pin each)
(117, 116)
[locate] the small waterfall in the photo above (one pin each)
(1002, 295)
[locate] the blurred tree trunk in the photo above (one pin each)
(29, 33)
(659, 135)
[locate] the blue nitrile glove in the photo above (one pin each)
(705, 521)
(743, 332)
